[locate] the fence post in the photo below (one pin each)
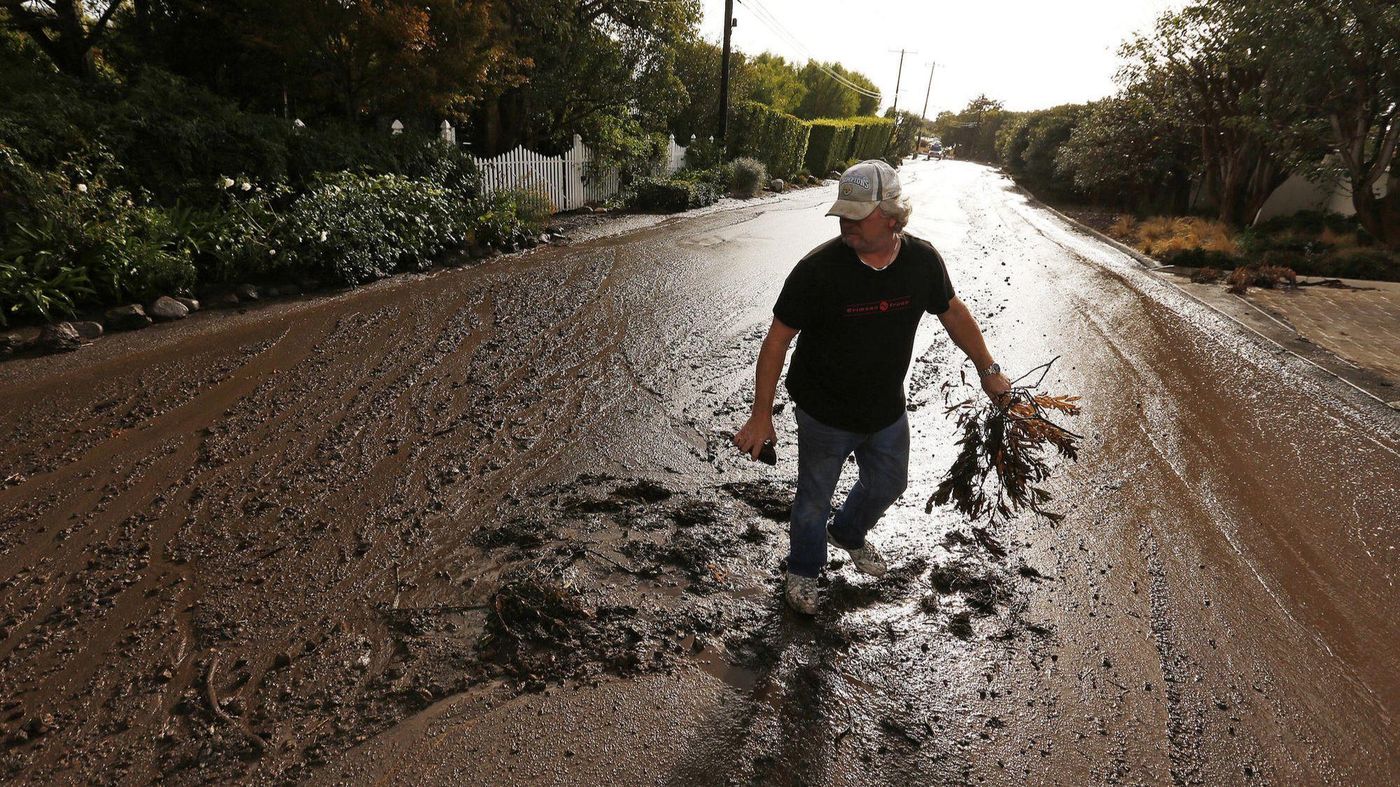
(449, 134)
(396, 127)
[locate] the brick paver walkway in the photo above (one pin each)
(1362, 326)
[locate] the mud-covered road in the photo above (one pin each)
(482, 527)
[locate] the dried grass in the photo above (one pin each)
(1124, 228)
(1162, 235)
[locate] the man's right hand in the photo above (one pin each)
(754, 433)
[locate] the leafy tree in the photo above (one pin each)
(828, 98)
(1195, 67)
(1129, 152)
(1337, 70)
(589, 63)
(775, 82)
(697, 66)
(66, 30)
(373, 58)
(973, 130)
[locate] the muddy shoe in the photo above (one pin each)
(801, 593)
(867, 559)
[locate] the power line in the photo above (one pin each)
(766, 17)
(769, 20)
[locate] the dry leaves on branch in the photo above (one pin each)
(1002, 458)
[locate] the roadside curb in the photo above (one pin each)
(1142, 259)
(1274, 331)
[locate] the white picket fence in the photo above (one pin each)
(568, 180)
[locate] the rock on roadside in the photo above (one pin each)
(88, 329)
(188, 303)
(776, 184)
(126, 318)
(166, 308)
(246, 292)
(11, 343)
(59, 337)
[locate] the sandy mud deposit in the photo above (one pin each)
(483, 526)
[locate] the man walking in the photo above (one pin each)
(854, 304)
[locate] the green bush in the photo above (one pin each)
(828, 144)
(776, 138)
(234, 241)
(1366, 263)
(747, 177)
(703, 154)
(67, 246)
(670, 195)
(364, 227)
(173, 138)
(871, 137)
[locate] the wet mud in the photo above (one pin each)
(484, 526)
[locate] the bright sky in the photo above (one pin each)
(1029, 54)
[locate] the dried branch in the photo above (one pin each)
(1001, 461)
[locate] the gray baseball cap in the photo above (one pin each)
(862, 188)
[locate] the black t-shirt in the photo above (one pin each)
(857, 330)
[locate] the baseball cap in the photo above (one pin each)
(862, 188)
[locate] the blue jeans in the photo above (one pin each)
(883, 459)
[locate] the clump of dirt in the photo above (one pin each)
(773, 501)
(643, 491)
(960, 625)
(983, 587)
(893, 586)
(695, 551)
(693, 514)
(524, 532)
(540, 628)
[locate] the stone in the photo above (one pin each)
(166, 308)
(225, 299)
(246, 292)
(11, 343)
(88, 329)
(188, 303)
(776, 184)
(60, 337)
(126, 318)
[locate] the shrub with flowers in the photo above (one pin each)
(365, 227)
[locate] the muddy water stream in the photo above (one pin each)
(482, 526)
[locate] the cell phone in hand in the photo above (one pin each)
(766, 454)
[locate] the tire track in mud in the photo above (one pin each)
(1185, 727)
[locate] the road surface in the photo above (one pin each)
(482, 527)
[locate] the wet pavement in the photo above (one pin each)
(482, 527)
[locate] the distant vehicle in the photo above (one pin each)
(935, 151)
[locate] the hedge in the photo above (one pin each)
(834, 141)
(871, 138)
(776, 138)
(829, 144)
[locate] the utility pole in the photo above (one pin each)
(724, 72)
(923, 116)
(894, 107)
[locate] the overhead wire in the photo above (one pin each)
(771, 22)
(765, 16)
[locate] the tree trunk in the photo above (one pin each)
(1380, 216)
